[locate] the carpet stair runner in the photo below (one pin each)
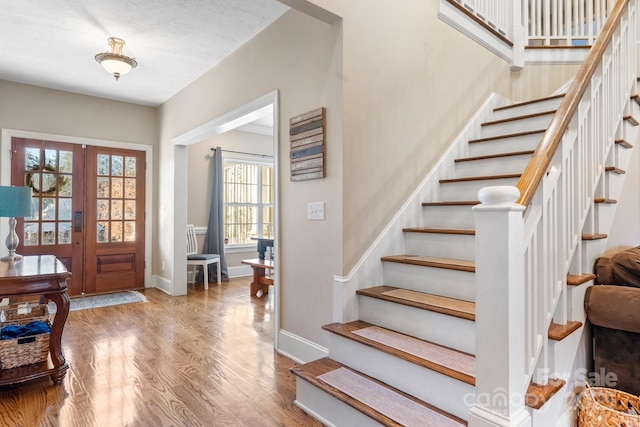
(382, 403)
(447, 361)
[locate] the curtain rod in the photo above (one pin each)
(242, 152)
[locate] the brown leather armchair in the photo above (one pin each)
(613, 309)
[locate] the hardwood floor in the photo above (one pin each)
(205, 359)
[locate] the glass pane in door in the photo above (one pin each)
(48, 172)
(116, 198)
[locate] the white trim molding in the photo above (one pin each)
(299, 349)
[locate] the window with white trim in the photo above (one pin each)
(248, 201)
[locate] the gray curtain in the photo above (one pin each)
(214, 239)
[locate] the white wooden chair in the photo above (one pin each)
(202, 260)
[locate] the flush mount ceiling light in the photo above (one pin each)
(114, 61)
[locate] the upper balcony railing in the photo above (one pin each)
(531, 23)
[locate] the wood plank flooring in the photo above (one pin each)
(204, 359)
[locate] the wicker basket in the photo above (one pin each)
(22, 351)
(606, 407)
(22, 314)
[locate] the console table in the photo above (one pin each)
(42, 276)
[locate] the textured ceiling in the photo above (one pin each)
(52, 43)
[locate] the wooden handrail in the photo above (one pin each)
(541, 159)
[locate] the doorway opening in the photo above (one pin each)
(244, 116)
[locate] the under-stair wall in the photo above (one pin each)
(391, 240)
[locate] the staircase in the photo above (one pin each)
(467, 309)
(415, 338)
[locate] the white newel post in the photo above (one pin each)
(500, 313)
(517, 37)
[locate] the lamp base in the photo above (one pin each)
(11, 257)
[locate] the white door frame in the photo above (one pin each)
(5, 177)
(228, 121)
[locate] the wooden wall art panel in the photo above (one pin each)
(307, 137)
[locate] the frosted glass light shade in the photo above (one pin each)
(114, 61)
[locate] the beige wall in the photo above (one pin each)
(302, 59)
(36, 109)
(406, 73)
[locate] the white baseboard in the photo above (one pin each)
(314, 414)
(298, 349)
(162, 283)
(239, 271)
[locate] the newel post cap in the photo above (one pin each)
(499, 195)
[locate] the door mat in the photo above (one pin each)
(105, 300)
(444, 356)
(400, 409)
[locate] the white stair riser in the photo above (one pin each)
(604, 214)
(591, 250)
(437, 281)
(575, 301)
(505, 145)
(559, 350)
(484, 167)
(468, 190)
(524, 125)
(448, 216)
(334, 412)
(444, 392)
(442, 245)
(523, 110)
(450, 331)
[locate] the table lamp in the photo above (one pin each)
(14, 202)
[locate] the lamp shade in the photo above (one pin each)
(15, 201)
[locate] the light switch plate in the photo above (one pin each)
(315, 211)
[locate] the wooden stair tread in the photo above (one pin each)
(453, 203)
(595, 236)
(635, 97)
(444, 360)
(480, 178)
(537, 395)
(465, 231)
(631, 120)
(494, 156)
(435, 303)
(605, 201)
(312, 370)
(579, 279)
(614, 170)
(534, 101)
(505, 136)
(524, 117)
(559, 332)
(429, 261)
(624, 143)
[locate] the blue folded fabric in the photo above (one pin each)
(17, 331)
